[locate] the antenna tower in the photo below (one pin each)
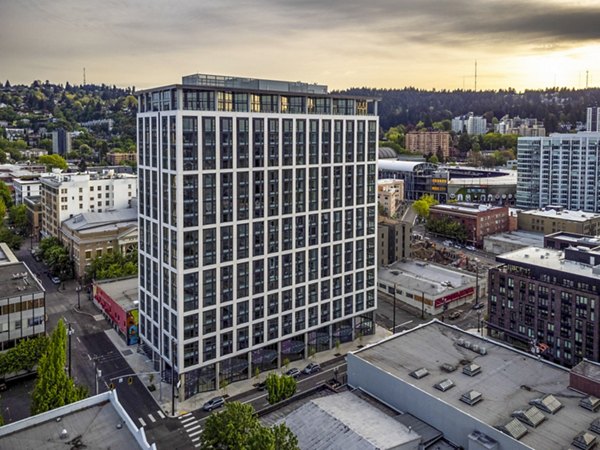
(84, 76)
(475, 75)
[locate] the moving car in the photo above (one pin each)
(55, 279)
(470, 248)
(293, 372)
(213, 403)
(479, 305)
(312, 368)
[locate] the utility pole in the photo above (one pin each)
(475, 75)
(422, 304)
(84, 76)
(97, 373)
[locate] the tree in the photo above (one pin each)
(422, 205)
(434, 159)
(53, 388)
(112, 265)
(237, 428)
(18, 218)
(53, 161)
(279, 387)
(5, 195)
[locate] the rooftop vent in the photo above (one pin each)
(448, 367)
(595, 426)
(584, 440)
(590, 403)
(444, 385)
(471, 369)
(514, 429)
(532, 416)
(548, 403)
(419, 373)
(471, 398)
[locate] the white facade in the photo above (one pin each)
(257, 226)
(562, 169)
(593, 119)
(66, 195)
(24, 188)
(470, 124)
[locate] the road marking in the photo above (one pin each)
(185, 416)
(142, 421)
(196, 439)
(195, 433)
(193, 428)
(151, 417)
(160, 413)
(189, 424)
(188, 419)
(78, 340)
(197, 445)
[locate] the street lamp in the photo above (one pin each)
(173, 377)
(394, 329)
(78, 290)
(70, 333)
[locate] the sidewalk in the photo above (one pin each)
(142, 365)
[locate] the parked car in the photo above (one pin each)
(479, 305)
(293, 372)
(261, 386)
(55, 279)
(213, 403)
(470, 248)
(312, 368)
(455, 314)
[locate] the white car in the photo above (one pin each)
(470, 248)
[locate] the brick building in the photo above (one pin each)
(426, 142)
(479, 220)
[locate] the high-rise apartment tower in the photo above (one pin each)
(257, 213)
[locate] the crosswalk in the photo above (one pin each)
(192, 427)
(150, 418)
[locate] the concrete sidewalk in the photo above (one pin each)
(141, 365)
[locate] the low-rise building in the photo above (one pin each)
(22, 301)
(428, 142)
(481, 394)
(26, 186)
(555, 218)
(394, 238)
(390, 196)
(478, 220)
(429, 287)
(512, 240)
(548, 298)
(116, 158)
(118, 300)
(419, 177)
(561, 240)
(95, 422)
(89, 235)
(66, 195)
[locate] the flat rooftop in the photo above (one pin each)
(549, 259)
(123, 291)
(467, 208)
(502, 180)
(426, 277)
(16, 280)
(565, 214)
(526, 238)
(576, 239)
(508, 381)
(91, 423)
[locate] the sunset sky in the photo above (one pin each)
(341, 43)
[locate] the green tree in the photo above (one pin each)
(237, 428)
(12, 239)
(112, 265)
(53, 388)
(434, 159)
(46, 144)
(422, 205)
(2, 209)
(53, 161)
(279, 387)
(18, 218)
(5, 195)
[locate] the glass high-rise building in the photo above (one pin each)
(257, 216)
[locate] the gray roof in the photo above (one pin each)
(347, 422)
(575, 216)
(425, 277)
(124, 291)
(387, 153)
(96, 220)
(403, 166)
(509, 379)
(16, 280)
(549, 259)
(92, 422)
(526, 238)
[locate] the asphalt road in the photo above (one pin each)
(184, 432)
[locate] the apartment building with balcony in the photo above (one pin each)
(545, 300)
(561, 169)
(257, 217)
(65, 195)
(426, 142)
